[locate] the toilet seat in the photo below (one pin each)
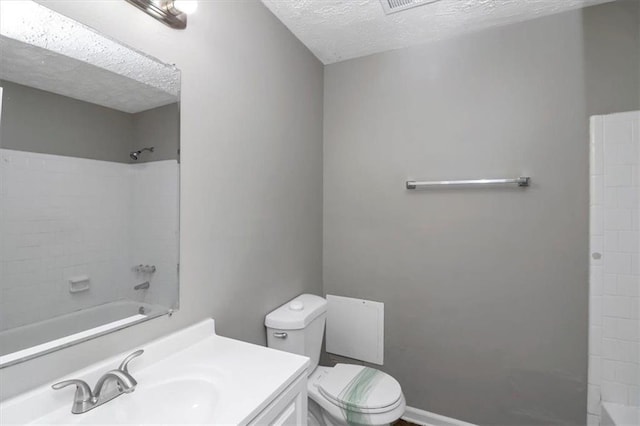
(324, 389)
(360, 389)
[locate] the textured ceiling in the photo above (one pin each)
(336, 30)
(43, 69)
(43, 49)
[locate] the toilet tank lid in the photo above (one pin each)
(297, 313)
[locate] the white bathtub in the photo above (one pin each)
(619, 415)
(43, 336)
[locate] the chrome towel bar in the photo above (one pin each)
(522, 181)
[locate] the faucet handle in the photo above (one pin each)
(83, 391)
(127, 360)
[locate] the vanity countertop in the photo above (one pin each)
(191, 376)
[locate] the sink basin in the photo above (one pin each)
(209, 380)
(180, 401)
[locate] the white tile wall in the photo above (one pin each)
(614, 309)
(154, 239)
(62, 217)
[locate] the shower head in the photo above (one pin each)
(135, 155)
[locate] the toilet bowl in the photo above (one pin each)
(355, 395)
(338, 396)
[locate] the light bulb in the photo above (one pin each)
(186, 6)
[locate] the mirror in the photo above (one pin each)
(89, 183)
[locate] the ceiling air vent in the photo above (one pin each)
(394, 6)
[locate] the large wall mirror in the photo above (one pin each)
(89, 183)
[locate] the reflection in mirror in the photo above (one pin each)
(89, 181)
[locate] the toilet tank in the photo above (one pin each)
(298, 327)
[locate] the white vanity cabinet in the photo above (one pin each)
(192, 376)
(289, 408)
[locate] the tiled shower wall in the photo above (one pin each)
(153, 238)
(64, 217)
(614, 310)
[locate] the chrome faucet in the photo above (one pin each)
(111, 385)
(123, 381)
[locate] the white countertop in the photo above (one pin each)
(192, 376)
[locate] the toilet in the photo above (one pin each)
(342, 395)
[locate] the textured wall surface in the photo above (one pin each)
(251, 178)
(485, 289)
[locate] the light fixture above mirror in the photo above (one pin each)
(170, 12)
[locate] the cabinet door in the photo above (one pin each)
(289, 408)
(288, 416)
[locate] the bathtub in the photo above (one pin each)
(29, 340)
(619, 415)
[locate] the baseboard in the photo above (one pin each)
(425, 418)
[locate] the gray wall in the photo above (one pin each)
(485, 290)
(251, 171)
(612, 57)
(159, 128)
(39, 121)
